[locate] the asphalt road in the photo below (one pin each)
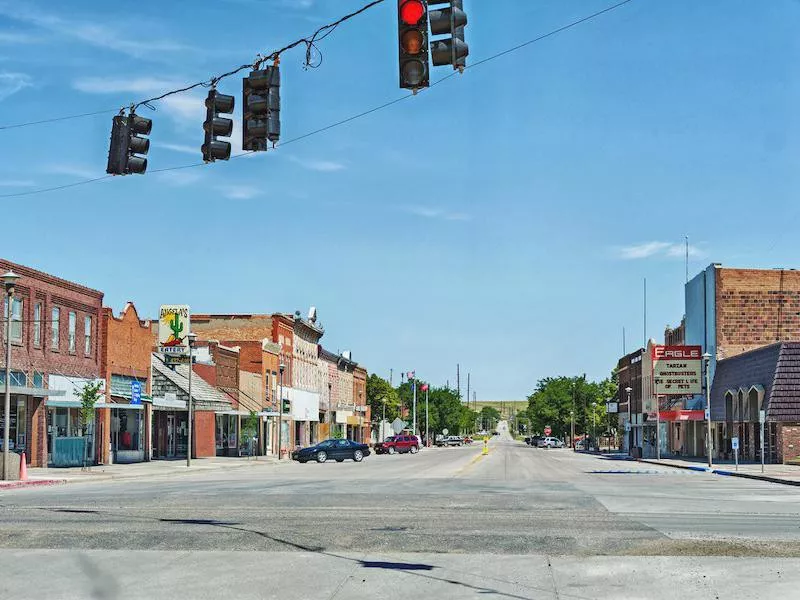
(519, 523)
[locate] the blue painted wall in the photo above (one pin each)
(701, 320)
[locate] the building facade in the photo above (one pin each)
(123, 422)
(630, 394)
(55, 351)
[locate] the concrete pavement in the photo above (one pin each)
(519, 523)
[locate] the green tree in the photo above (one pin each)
(488, 417)
(249, 430)
(90, 393)
(378, 390)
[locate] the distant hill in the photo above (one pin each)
(506, 407)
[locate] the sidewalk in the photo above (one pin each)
(784, 474)
(156, 468)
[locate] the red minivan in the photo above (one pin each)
(398, 444)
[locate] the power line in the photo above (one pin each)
(310, 42)
(352, 117)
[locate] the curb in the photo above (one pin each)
(32, 483)
(725, 473)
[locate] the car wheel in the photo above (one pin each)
(391, 449)
(414, 450)
(358, 456)
(322, 457)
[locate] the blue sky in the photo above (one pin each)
(504, 220)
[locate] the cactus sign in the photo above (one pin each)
(173, 330)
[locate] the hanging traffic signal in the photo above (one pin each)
(261, 110)
(127, 143)
(412, 31)
(451, 21)
(214, 125)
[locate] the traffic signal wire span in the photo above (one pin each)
(352, 117)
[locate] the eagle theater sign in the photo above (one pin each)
(677, 370)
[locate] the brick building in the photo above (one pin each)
(730, 312)
(123, 425)
(55, 350)
(629, 375)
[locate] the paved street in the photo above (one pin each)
(519, 523)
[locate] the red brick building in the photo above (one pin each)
(123, 423)
(55, 350)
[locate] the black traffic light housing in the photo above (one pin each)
(261, 108)
(451, 21)
(412, 35)
(215, 125)
(286, 406)
(126, 154)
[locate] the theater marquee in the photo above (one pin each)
(677, 370)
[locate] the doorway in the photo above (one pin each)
(172, 438)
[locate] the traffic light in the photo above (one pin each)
(412, 32)
(450, 20)
(214, 125)
(127, 143)
(286, 406)
(261, 110)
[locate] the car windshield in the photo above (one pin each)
(326, 444)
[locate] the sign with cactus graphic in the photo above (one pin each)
(173, 330)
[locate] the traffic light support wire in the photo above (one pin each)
(309, 41)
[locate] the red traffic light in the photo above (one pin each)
(412, 11)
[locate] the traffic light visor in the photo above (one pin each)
(412, 41)
(412, 11)
(413, 72)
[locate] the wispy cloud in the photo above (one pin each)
(74, 170)
(180, 178)
(323, 166)
(16, 37)
(430, 212)
(182, 148)
(239, 192)
(17, 183)
(656, 248)
(94, 33)
(11, 83)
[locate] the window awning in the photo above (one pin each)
(164, 404)
(32, 391)
(120, 405)
(63, 403)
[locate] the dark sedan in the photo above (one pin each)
(337, 450)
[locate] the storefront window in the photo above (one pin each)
(226, 433)
(21, 424)
(126, 429)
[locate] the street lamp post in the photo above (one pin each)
(281, 368)
(572, 429)
(628, 391)
(707, 361)
(381, 429)
(594, 421)
(192, 337)
(9, 280)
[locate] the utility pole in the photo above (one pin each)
(414, 413)
(9, 279)
(458, 380)
(707, 361)
(427, 429)
(192, 337)
(391, 372)
(281, 368)
(467, 389)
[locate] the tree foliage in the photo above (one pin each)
(90, 393)
(378, 390)
(555, 398)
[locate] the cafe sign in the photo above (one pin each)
(173, 330)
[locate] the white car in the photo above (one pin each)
(550, 442)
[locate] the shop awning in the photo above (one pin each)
(32, 391)
(168, 404)
(242, 413)
(120, 405)
(682, 415)
(63, 403)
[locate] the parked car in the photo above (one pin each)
(534, 441)
(398, 444)
(550, 442)
(337, 450)
(450, 440)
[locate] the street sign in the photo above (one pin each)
(548, 430)
(445, 431)
(398, 425)
(612, 407)
(136, 392)
(706, 414)
(173, 330)
(735, 443)
(180, 359)
(627, 426)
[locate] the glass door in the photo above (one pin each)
(172, 440)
